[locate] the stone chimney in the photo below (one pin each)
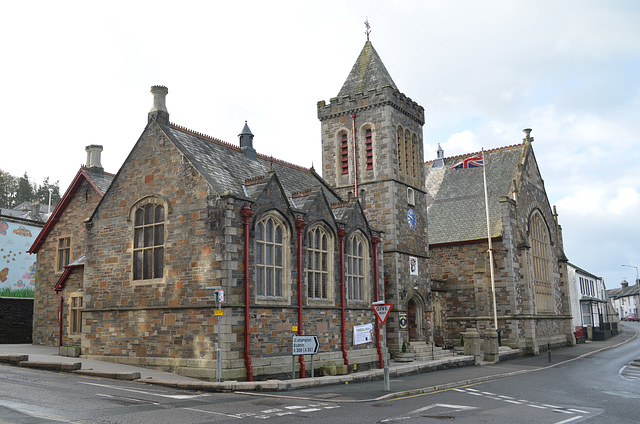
(246, 142)
(624, 284)
(93, 158)
(527, 137)
(159, 109)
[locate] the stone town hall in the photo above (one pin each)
(129, 257)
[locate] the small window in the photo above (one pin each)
(75, 314)
(344, 154)
(64, 252)
(148, 242)
(368, 142)
(411, 196)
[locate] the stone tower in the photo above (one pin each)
(372, 149)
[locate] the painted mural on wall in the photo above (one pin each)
(17, 266)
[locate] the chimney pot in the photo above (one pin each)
(159, 107)
(93, 157)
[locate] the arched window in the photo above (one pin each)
(356, 268)
(408, 159)
(319, 264)
(400, 151)
(148, 240)
(542, 273)
(271, 256)
(368, 143)
(411, 197)
(344, 153)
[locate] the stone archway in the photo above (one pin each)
(415, 318)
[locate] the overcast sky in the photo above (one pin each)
(79, 73)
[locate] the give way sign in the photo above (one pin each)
(382, 311)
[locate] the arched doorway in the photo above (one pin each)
(415, 316)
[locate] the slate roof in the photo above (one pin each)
(99, 180)
(455, 198)
(623, 292)
(368, 73)
(228, 169)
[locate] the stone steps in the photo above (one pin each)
(424, 351)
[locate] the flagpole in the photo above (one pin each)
(486, 204)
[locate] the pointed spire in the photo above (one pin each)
(246, 142)
(368, 73)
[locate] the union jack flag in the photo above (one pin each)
(476, 161)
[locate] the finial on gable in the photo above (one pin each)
(159, 108)
(528, 137)
(368, 30)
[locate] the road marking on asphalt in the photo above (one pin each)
(213, 412)
(569, 420)
(181, 397)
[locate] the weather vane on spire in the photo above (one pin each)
(368, 31)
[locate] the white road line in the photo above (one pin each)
(564, 411)
(213, 413)
(513, 401)
(569, 420)
(578, 411)
(310, 410)
(144, 392)
(537, 406)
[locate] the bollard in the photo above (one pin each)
(549, 350)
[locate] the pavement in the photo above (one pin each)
(405, 379)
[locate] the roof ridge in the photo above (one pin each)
(233, 146)
(475, 153)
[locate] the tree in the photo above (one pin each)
(24, 192)
(8, 187)
(14, 191)
(42, 192)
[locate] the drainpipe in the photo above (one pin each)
(60, 320)
(341, 234)
(246, 213)
(375, 240)
(300, 224)
(355, 155)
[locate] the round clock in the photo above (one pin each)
(412, 219)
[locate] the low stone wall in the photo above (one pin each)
(16, 320)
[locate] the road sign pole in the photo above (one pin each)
(387, 383)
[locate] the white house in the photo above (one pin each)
(589, 305)
(625, 299)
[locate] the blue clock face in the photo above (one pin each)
(412, 219)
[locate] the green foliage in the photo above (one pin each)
(14, 190)
(404, 347)
(8, 292)
(462, 341)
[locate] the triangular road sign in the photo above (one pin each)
(382, 311)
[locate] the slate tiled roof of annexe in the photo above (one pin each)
(227, 168)
(455, 198)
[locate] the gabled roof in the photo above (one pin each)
(231, 172)
(455, 198)
(368, 73)
(623, 292)
(78, 263)
(100, 181)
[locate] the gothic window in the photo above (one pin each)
(75, 313)
(368, 142)
(319, 264)
(400, 151)
(408, 160)
(417, 160)
(148, 241)
(542, 273)
(63, 253)
(270, 251)
(344, 154)
(356, 268)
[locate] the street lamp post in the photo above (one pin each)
(637, 285)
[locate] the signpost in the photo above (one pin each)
(304, 345)
(382, 312)
(219, 296)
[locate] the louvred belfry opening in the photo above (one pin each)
(345, 154)
(368, 140)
